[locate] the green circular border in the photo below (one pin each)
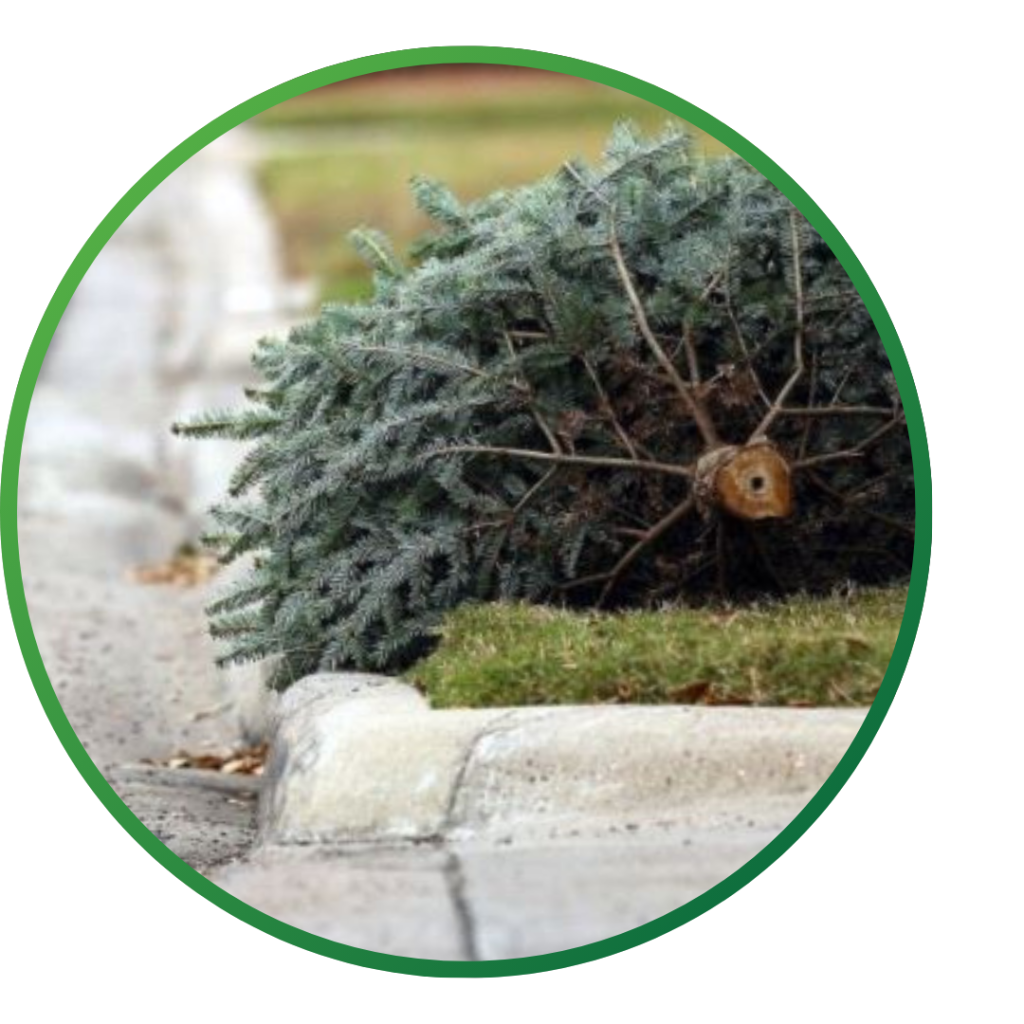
(16, 432)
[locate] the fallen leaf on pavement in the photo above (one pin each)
(246, 761)
(185, 569)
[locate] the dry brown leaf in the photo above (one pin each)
(245, 761)
(692, 693)
(186, 569)
(241, 765)
(625, 691)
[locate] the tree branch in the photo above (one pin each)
(606, 407)
(691, 355)
(596, 461)
(812, 396)
(743, 342)
(848, 500)
(850, 453)
(659, 529)
(529, 495)
(696, 409)
(837, 410)
(552, 438)
(416, 354)
(798, 336)
(505, 525)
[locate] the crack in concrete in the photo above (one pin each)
(455, 879)
(454, 876)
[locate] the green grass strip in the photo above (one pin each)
(803, 652)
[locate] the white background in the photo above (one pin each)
(903, 901)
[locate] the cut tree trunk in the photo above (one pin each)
(752, 481)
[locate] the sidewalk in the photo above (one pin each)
(481, 834)
(382, 823)
(104, 488)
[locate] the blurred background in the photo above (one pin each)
(341, 156)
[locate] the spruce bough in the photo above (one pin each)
(643, 382)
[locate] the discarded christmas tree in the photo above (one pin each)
(650, 381)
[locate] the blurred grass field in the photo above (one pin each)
(341, 157)
(803, 652)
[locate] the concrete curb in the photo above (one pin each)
(361, 758)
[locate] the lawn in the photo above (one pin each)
(337, 159)
(802, 652)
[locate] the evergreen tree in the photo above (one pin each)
(641, 382)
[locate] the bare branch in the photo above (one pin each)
(853, 452)
(859, 492)
(742, 342)
(824, 460)
(606, 407)
(716, 280)
(812, 397)
(530, 494)
(838, 410)
(552, 438)
(691, 355)
(839, 387)
(629, 531)
(505, 525)
(659, 529)
(687, 339)
(557, 458)
(798, 336)
(849, 499)
(534, 411)
(596, 193)
(700, 415)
